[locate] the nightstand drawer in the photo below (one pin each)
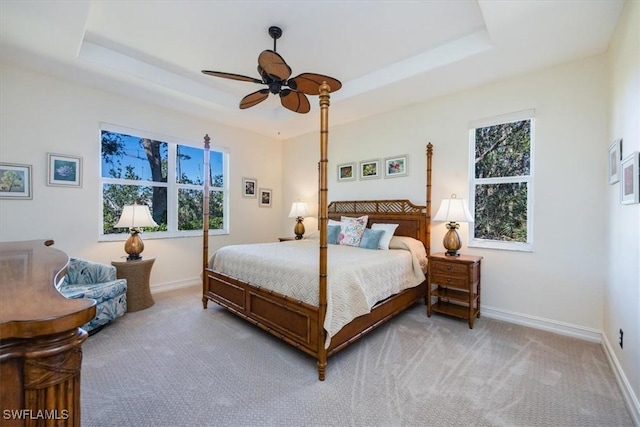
(460, 282)
(448, 268)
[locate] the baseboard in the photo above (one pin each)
(567, 329)
(580, 332)
(629, 396)
(178, 284)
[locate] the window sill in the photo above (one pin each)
(121, 237)
(504, 246)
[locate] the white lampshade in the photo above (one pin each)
(299, 209)
(453, 210)
(134, 216)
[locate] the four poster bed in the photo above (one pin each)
(318, 321)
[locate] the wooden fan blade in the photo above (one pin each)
(295, 101)
(254, 98)
(273, 65)
(309, 83)
(231, 76)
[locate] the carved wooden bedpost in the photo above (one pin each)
(429, 161)
(205, 220)
(324, 214)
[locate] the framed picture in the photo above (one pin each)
(265, 198)
(64, 170)
(249, 187)
(615, 156)
(346, 172)
(630, 176)
(370, 169)
(15, 181)
(396, 166)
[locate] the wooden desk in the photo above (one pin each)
(40, 338)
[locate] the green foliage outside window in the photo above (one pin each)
(502, 169)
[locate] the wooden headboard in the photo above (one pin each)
(412, 220)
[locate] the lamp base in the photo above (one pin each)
(299, 229)
(451, 240)
(134, 246)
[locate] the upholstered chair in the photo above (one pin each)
(88, 279)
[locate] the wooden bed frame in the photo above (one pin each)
(301, 324)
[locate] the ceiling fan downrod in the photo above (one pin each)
(275, 33)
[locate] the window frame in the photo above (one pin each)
(474, 242)
(172, 186)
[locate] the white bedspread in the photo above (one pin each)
(357, 278)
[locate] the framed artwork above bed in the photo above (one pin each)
(347, 172)
(396, 166)
(370, 169)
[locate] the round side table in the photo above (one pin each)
(137, 274)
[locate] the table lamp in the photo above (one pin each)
(134, 217)
(453, 211)
(298, 211)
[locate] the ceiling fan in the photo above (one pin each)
(275, 74)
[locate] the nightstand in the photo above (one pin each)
(286, 239)
(137, 273)
(454, 282)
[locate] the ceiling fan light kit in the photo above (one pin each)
(275, 73)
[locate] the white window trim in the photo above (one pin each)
(172, 188)
(473, 242)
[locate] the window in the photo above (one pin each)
(501, 182)
(165, 175)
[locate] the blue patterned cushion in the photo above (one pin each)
(371, 238)
(333, 231)
(97, 291)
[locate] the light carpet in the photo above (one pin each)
(175, 364)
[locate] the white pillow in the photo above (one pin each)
(389, 229)
(333, 222)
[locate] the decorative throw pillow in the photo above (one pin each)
(333, 231)
(389, 229)
(333, 222)
(352, 230)
(371, 238)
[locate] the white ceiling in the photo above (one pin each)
(387, 54)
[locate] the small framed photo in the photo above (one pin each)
(630, 177)
(396, 166)
(615, 156)
(15, 181)
(64, 170)
(347, 172)
(249, 187)
(370, 169)
(265, 198)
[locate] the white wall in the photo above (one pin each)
(622, 285)
(562, 280)
(39, 114)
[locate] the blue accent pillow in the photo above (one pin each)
(371, 238)
(333, 231)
